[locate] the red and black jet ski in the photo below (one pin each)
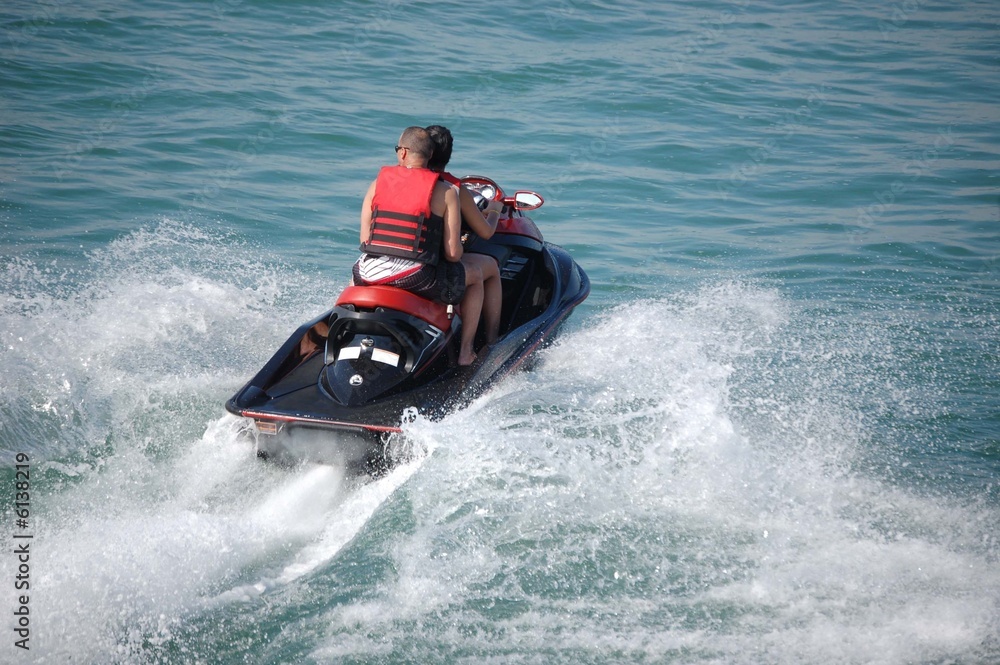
(388, 351)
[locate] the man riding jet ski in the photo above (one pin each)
(389, 350)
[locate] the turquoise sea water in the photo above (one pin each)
(771, 435)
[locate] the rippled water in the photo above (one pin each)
(772, 434)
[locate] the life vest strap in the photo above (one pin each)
(403, 227)
(404, 235)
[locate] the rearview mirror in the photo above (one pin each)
(525, 200)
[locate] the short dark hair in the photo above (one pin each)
(443, 142)
(418, 141)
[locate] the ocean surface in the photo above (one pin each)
(770, 435)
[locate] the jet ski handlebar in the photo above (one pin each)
(485, 190)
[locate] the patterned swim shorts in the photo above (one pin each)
(444, 282)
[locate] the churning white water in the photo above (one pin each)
(706, 476)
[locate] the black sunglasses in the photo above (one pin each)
(401, 147)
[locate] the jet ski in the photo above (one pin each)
(383, 354)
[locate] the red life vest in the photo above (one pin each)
(402, 222)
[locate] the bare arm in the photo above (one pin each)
(366, 213)
(452, 226)
(483, 226)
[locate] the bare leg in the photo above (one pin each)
(493, 300)
(472, 306)
(492, 294)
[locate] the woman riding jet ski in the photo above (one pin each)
(411, 228)
(388, 351)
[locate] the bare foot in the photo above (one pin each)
(311, 341)
(464, 360)
(307, 347)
